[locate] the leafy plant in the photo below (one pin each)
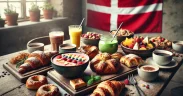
(34, 7)
(1, 18)
(10, 10)
(91, 79)
(18, 64)
(47, 6)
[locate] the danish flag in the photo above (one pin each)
(140, 16)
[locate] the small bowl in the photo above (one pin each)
(141, 53)
(162, 57)
(93, 42)
(147, 75)
(70, 71)
(31, 47)
(178, 46)
(63, 48)
(122, 38)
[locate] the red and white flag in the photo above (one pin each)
(140, 16)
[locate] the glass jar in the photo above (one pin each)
(107, 45)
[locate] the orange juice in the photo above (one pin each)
(75, 34)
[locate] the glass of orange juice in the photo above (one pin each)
(75, 32)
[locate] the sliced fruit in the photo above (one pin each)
(146, 40)
(136, 46)
(142, 48)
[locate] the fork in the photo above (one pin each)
(134, 83)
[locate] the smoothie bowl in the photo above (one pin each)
(70, 65)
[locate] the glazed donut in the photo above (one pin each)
(34, 82)
(48, 90)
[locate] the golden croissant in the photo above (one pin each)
(36, 60)
(109, 88)
(131, 60)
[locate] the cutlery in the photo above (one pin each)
(133, 81)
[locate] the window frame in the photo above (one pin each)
(23, 17)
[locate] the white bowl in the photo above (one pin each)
(146, 75)
(178, 46)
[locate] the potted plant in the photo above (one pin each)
(11, 16)
(2, 22)
(48, 10)
(34, 13)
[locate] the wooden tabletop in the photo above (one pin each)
(10, 86)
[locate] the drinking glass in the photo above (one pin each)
(75, 32)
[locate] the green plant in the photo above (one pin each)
(91, 79)
(47, 6)
(1, 18)
(10, 10)
(34, 7)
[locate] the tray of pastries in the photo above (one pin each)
(24, 65)
(103, 68)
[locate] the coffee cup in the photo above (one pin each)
(162, 57)
(178, 46)
(31, 47)
(64, 48)
(148, 72)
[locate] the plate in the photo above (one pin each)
(172, 64)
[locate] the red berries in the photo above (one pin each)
(58, 57)
(69, 60)
(74, 61)
(80, 63)
(91, 35)
(126, 81)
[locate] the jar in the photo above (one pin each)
(107, 45)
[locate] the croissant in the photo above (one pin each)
(91, 51)
(104, 64)
(109, 88)
(131, 60)
(116, 56)
(36, 60)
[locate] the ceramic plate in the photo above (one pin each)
(172, 64)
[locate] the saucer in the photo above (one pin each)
(172, 64)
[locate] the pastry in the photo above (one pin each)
(77, 83)
(103, 63)
(131, 60)
(48, 90)
(91, 51)
(116, 56)
(34, 82)
(19, 58)
(36, 60)
(109, 88)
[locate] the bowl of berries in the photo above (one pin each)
(91, 38)
(138, 45)
(70, 65)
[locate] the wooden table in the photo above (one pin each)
(10, 86)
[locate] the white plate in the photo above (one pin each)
(172, 64)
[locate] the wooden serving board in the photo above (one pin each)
(64, 82)
(23, 77)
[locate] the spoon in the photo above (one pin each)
(117, 31)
